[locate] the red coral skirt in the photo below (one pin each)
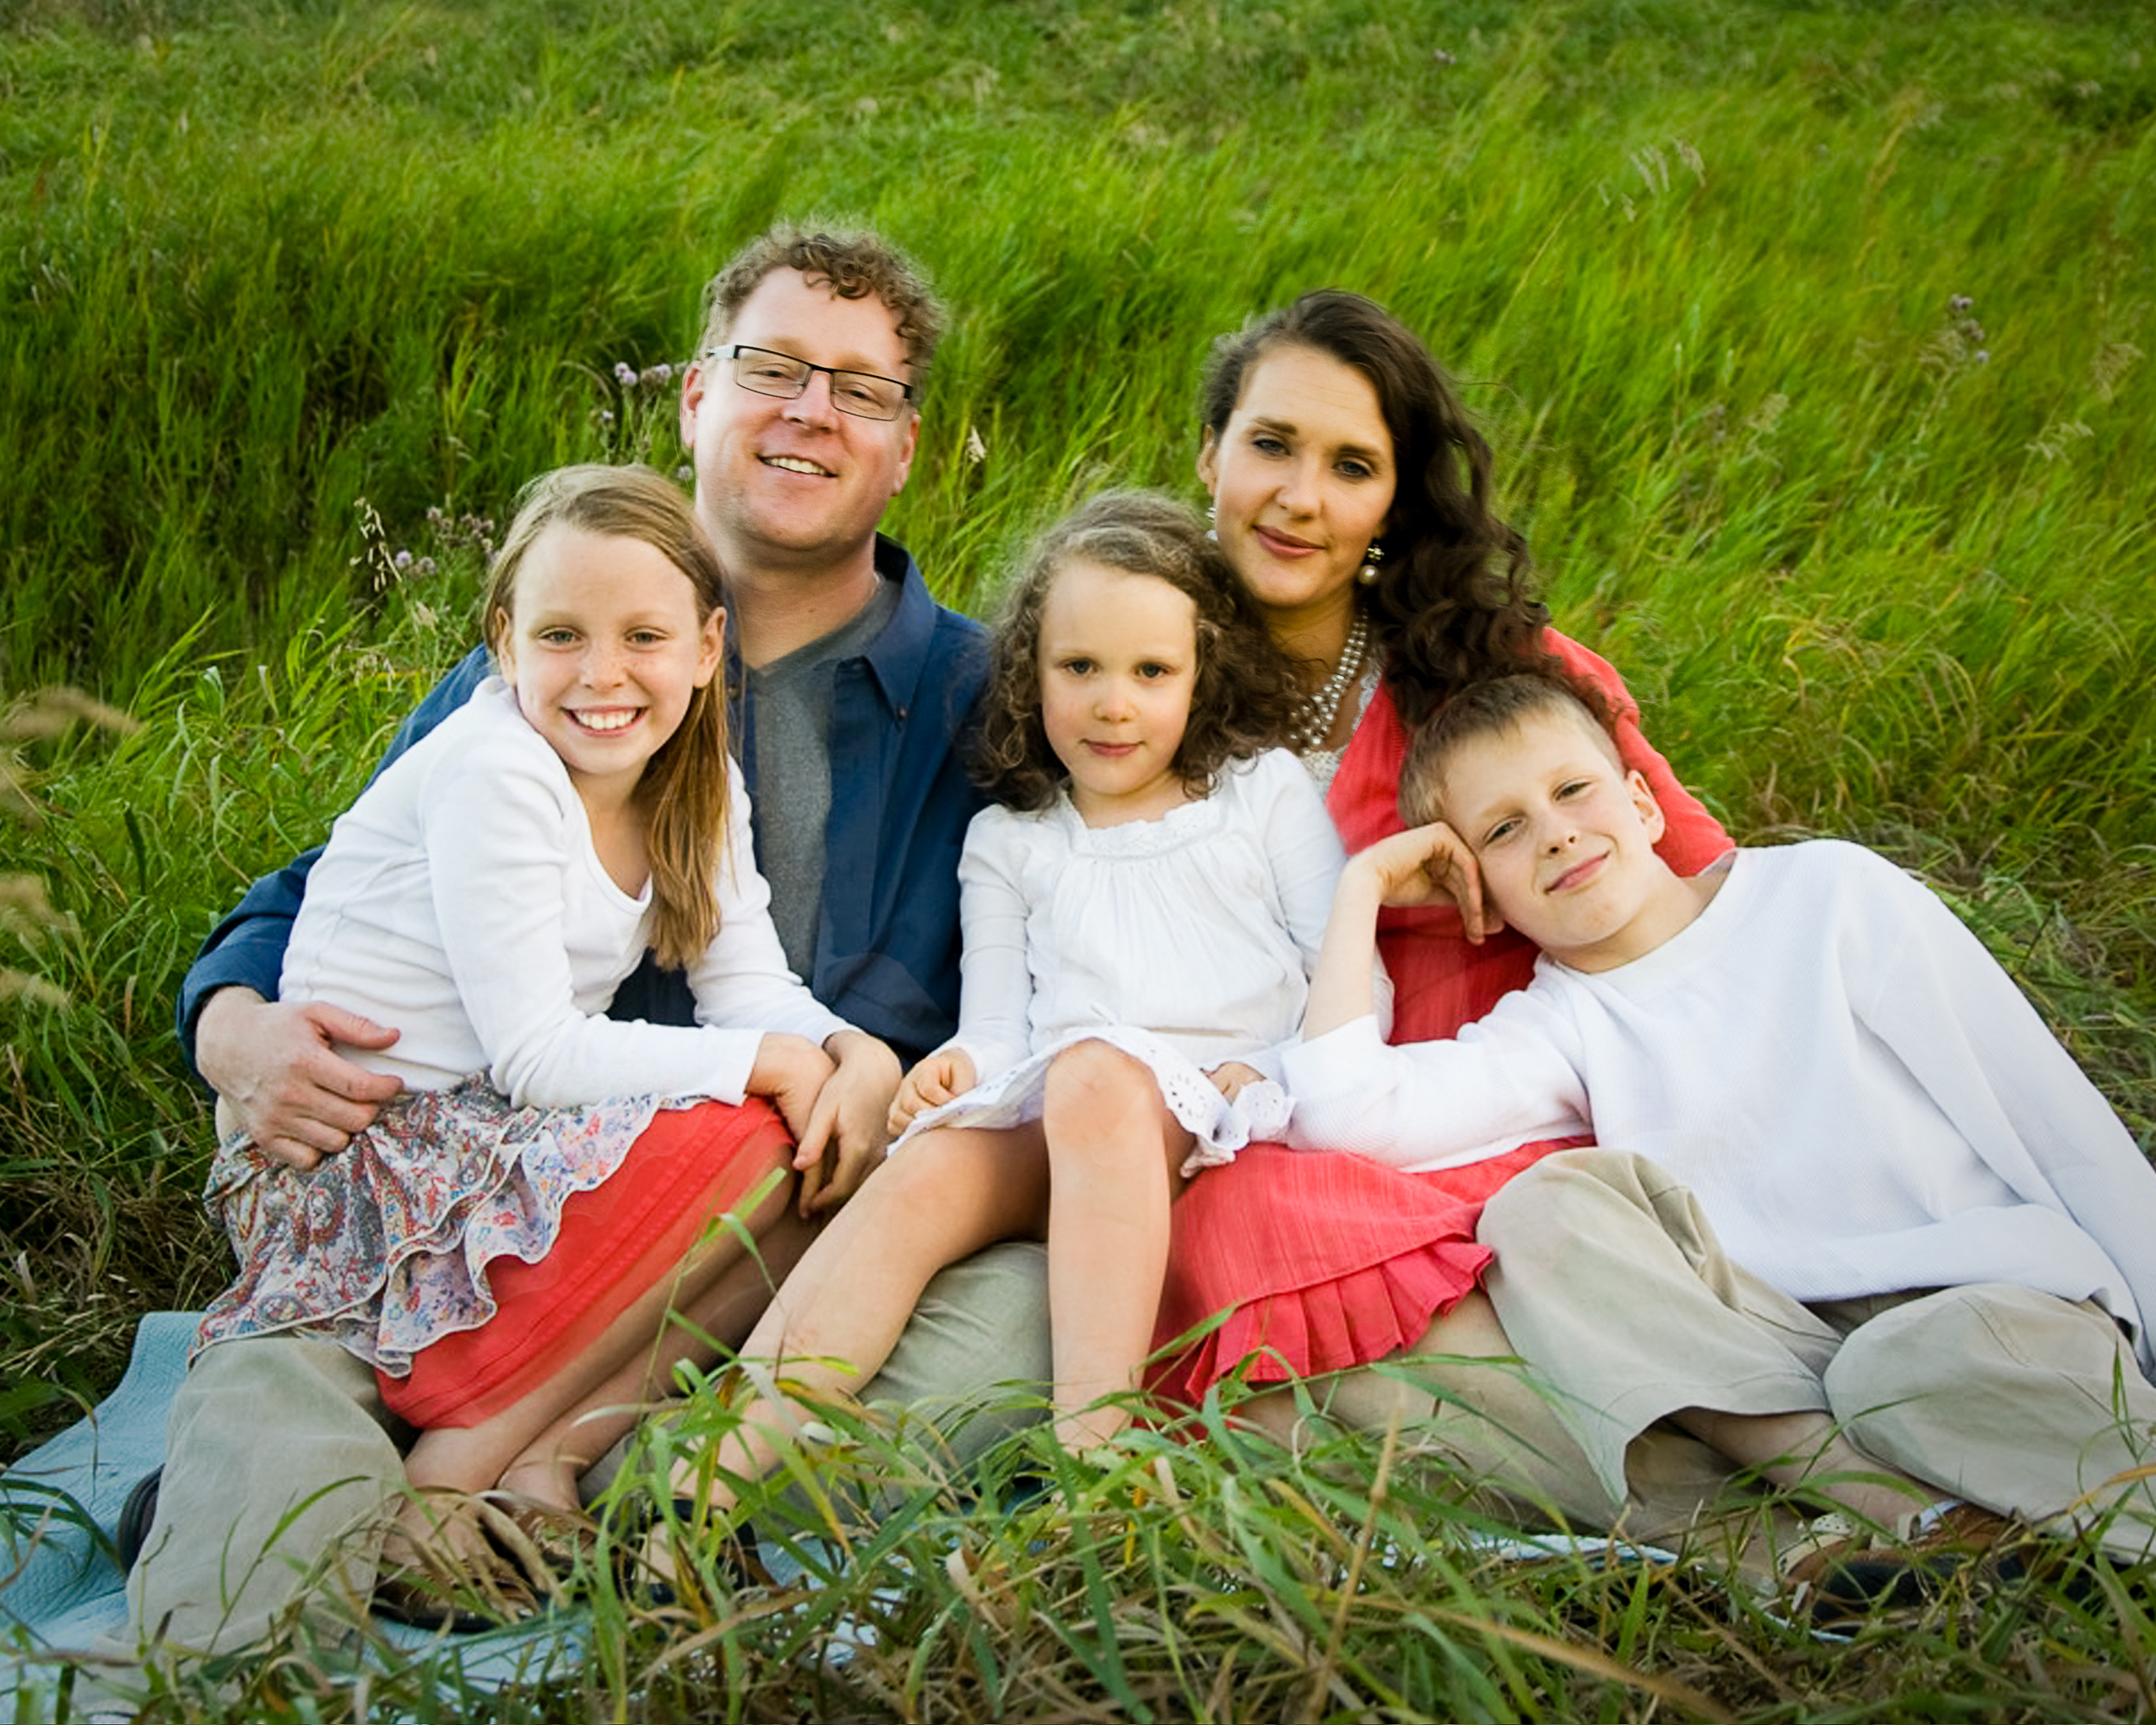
(1295, 1263)
(689, 1167)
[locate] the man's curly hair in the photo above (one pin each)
(1245, 696)
(854, 263)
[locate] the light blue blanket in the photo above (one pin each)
(61, 1587)
(59, 1503)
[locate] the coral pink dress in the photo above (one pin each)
(1321, 1262)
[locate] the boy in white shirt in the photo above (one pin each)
(1912, 1260)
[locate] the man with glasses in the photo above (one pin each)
(800, 412)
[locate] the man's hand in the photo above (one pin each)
(933, 1082)
(847, 1135)
(280, 1078)
(1232, 1077)
(790, 1073)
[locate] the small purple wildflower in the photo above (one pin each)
(1961, 303)
(1984, 356)
(426, 566)
(624, 374)
(402, 560)
(606, 418)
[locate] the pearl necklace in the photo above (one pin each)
(1314, 720)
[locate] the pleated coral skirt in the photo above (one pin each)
(1295, 1263)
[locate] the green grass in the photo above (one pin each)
(1874, 565)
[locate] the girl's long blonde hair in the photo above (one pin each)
(683, 792)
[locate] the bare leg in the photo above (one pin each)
(699, 1321)
(837, 1317)
(1805, 1449)
(1115, 1156)
(538, 1436)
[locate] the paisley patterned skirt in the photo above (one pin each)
(442, 1220)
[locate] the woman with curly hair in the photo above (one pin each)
(1351, 498)
(1142, 904)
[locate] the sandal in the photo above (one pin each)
(1845, 1574)
(436, 1588)
(412, 1597)
(565, 1542)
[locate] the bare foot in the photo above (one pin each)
(552, 1483)
(453, 1559)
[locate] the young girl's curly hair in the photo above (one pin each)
(1246, 695)
(1453, 602)
(683, 791)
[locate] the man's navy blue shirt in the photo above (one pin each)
(887, 942)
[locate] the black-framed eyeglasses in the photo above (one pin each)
(862, 394)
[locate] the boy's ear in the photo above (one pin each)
(1643, 799)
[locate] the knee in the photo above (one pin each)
(1567, 1197)
(1094, 1090)
(1994, 1332)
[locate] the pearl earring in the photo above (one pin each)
(1367, 574)
(1209, 507)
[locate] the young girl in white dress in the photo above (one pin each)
(485, 896)
(1140, 910)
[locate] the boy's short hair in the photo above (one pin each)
(855, 263)
(1493, 707)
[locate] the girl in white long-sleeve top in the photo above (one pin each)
(1140, 912)
(504, 1242)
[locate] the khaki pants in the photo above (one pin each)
(1611, 1281)
(1462, 1395)
(281, 1457)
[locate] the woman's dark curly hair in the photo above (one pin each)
(1245, 696)
(1453, 601)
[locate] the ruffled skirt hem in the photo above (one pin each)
(391, 1246)
(1296, 1263)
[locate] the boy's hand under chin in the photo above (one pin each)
(1430, 865)
(1424, 865)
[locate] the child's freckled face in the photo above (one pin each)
(1565, 838)
(604, 650)
(1118, 663)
